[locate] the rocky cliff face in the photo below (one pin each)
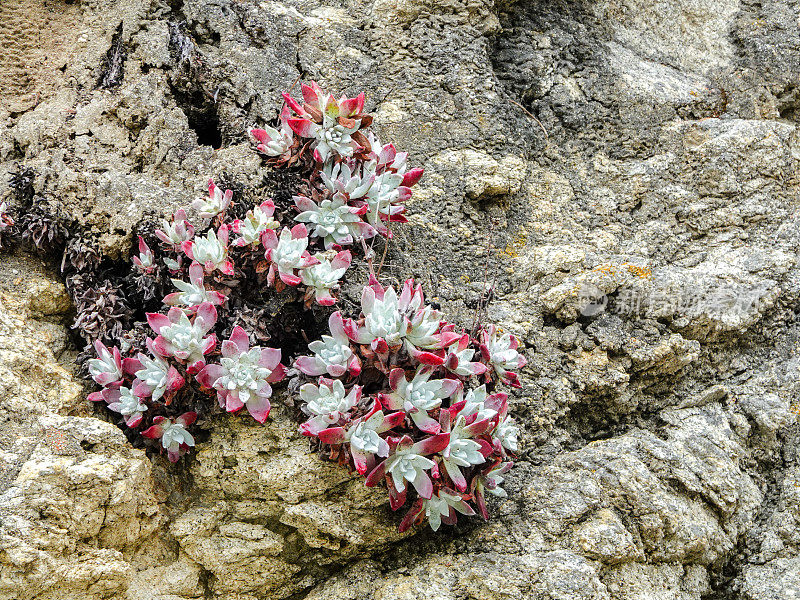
(625, 173)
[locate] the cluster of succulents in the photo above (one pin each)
(432, 421)
(362, 183)
(395, 392)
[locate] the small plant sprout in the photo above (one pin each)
(257, 221)
(216, 203)
(144, 262)
(175, 438)
(288, 253)
(211, 251)
(243, 375)
(193, 293)
(183, 338)
(320, 279)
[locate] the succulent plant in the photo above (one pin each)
(183, 338)
(396, 392)
(124, 402)
(211, 251)
(441, 441)
(458, 359)
(275, 142)
(216, 203)
(409, 463)
(102, 311)
(175, 438)
(327, 403)
(439, 508)
(507, 432)
(42, 227)
(244, 375)
(332, 220)
(383, 326)
(418, 396)
(193, 293)
(144, 261)
(390, 321)
(81, 255)
(177, 232)
(489, 480)
(332, 354)
(6, 222)
(474, 402)
(287, 254)
(346, 181)
(21, 181)
(257, 221)
(500, 351)
(106, 369)
(155, 377)
(333, 124)
(324, 276)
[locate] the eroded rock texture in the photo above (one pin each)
(623, 172)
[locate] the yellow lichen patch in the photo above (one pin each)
(513, 248)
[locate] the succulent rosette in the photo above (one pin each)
(275, 142)
(336, 222)
(332, 124)
(328, 403)
(106, 369)
(193, 293)
(287, 254)
(320, 279)
(154, 376)
(332, 354)
(177, 232)
(243, 376)
(500, 352)
(126, 403)
(174, 436)
(183, 338)
(216, 203)
(251, 229)
(211, 251)
(144, 262)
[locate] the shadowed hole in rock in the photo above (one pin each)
(206, 125)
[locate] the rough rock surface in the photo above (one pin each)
(625, 174)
